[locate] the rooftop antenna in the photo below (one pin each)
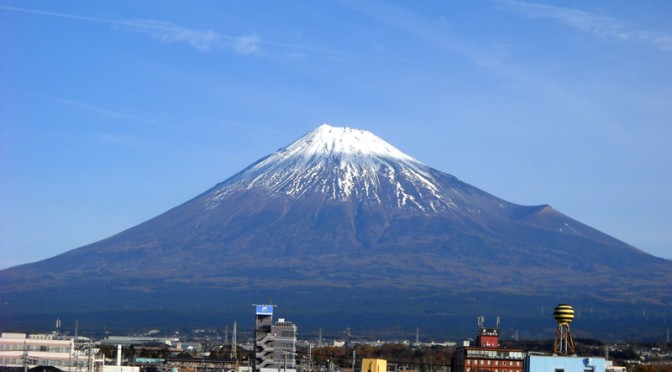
(481, 322)
(497, 322)
(563, 345)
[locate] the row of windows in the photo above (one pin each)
(47, 362)
(501, 354)
(491, 370)
(43, 348)
(493, 362)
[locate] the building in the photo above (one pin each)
(126, 341)
(555, 363)
(274, 344)
(263, 339)
(486, 355)
(284, 345)
(374, 365)
(28, 351)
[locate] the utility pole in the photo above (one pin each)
(234, 349)
(353, 361)
(25, 356)
(76, 342)
(90, 369)
(72, 351)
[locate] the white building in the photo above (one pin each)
(21, 350)
(554, 363)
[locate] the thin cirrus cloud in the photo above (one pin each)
(166, 32)
(598, 25)
(199, 39)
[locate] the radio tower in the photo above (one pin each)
(234, 351)
(563, 345)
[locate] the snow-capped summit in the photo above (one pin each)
(342, 164)
(326, 140)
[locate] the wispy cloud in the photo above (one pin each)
(247, 44)
(166, 32)
(208, 40)
(598, 25)
(201, 40)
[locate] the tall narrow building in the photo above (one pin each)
(274, 344)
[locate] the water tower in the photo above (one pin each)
(563, 345)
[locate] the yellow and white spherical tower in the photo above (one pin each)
(563, 345)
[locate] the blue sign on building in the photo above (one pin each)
(264, 310)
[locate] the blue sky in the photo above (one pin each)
(112, 112)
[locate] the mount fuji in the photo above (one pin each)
(341, 228)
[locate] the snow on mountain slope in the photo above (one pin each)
(341, 164)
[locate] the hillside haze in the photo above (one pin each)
(340, 224)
